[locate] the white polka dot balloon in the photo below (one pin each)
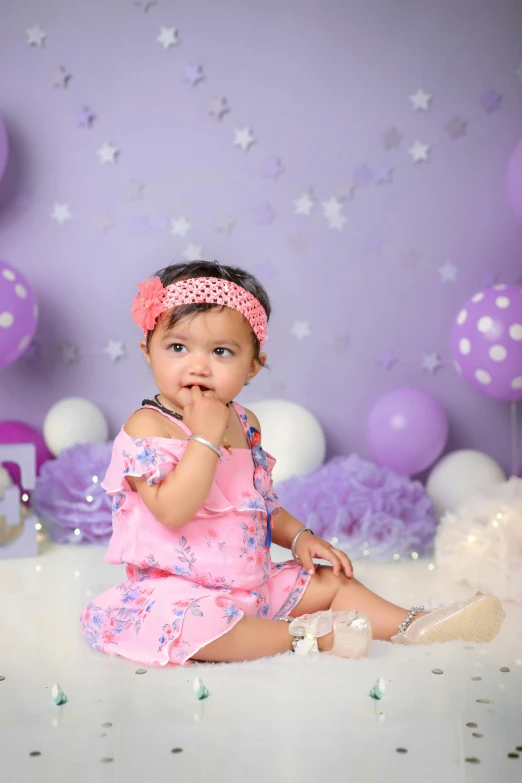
(486, 342)
(18, 314)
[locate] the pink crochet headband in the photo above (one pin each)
(153, 299)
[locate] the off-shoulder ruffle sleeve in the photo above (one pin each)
(263, 478)
(149, 458)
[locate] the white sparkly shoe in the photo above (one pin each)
(352, 632)
(476, 619)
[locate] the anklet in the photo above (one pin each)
(407, 622)
(295, 639)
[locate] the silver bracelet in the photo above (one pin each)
(206, 443)
(294, 542)
(409, 619)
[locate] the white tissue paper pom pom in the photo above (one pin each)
(481, 543)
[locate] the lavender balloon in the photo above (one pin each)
(486, 342)
(4, 147)
(407, 430)
(18, 314)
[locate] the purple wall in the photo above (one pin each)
(320, 84)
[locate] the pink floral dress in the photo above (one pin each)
(187, 587)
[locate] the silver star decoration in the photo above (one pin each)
(304, 204)
(448, 272)
(456, 127)
(392, 139)
(145, 4)
(61, 77)
(68, 352)
(179, 226)
(419, 151)
(108, 153)
(168, 37)
(225, 224)
(36, 36)
(420, 100)
(332, 208)
(61, 213)
(244, 138)
(298, 243)
(301, 329)
(431, 362)
(134, 190)
(218, 107)
(115, 349)
(192, 252)
(336, 222)
(103, 222)
(345, 191)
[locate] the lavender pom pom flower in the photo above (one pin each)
(68, 495)
(370, 509)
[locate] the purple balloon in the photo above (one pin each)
(4, 147)
(407, 430)
(514, 182)
(18, 314)
(486, 342)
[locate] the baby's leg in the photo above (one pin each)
(251, 638)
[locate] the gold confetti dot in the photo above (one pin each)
(519, 747)
(106, 760)
(472, 725)
(513, 755)
(476, 734)
(482, 701)
(2, 677)
(473, 760)
(177, 750)
(141, 671)
(401, 750)
(505, 669)
(437, 671)
(35, 753)
(477, 679)
(106, 725)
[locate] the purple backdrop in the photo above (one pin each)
(358, 310)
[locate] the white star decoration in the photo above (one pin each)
(168, 37)
(61, 213)
(304, 204)
(244, 138)
(179, 226)
(192, 252)
(115, 349)
(35, 35)
(332, 210)
(301, 329)
(420, 100)
(108, 153)
(448, 272)
(431, 362)
(419, 151)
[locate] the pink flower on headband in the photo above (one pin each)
(148, 304)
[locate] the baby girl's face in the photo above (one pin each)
(212, 350)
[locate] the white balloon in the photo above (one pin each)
(460, 475)
(292, 435)
(71, 421)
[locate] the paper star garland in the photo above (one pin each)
(456, 127)
(431, 362)
(332, 210)
(218, 107)
(265, 214)
(298, 243)
(115, 349)
(145, 4)
(68, 352)
(179, 226)
(344, 191)
(243, 138)
(168, 37)
(225, 224)
(491, 101)
(273, 168)
(387, 359)
(61, 213)
(192, 252)
(103, 222)
(448, 272)
(61, 77)
(363, 175)
(108, 153)
(420, 100)
(392, 139)
(85, 117)
(304, 204)
(384, 175)
(301, 329)
(193, 74)
(36, 36)
(134, 190)
(419, 152)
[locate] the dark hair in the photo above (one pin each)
(175, 272)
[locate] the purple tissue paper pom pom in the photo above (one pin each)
(68, 495)
(365, 506)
